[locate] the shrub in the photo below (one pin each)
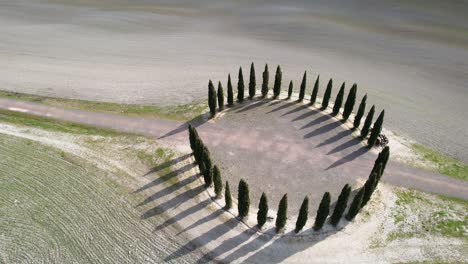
(240, 86)
(360, 112)
(338, 100)
(212, 98)
(322, 212)
(266, 76)
(367, 123)
(376, 129)
(220, 97)
(262, 213)
(303, 215)
(230, 98)
(243, 197)
(326, 96)
(282, 215)
(313, 97)
(252, 82)
(341, 205)
(303, 87)
(350, 101)
(290, 90)
(355, 205)
(227, 197)
(218, 183)
(277, 86)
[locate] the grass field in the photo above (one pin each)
(54, 208)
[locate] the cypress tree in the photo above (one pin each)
(322, 212)
(338, 100)
(313, 97)
(252, 82)
(201, 157)
(341, 205)
(290, 90)
(326, 96)
(367, 123)
(208, 170)
(218, 183)
(262, 213)
(355, 205)
(282, 215)
(376, 129)
(350, 101)
(230, 98)
(191, 137)
(227, 197)
(360, 112)
(303, 87)
(243, 197)
(369, 188)
(386, 156)
(266, 76)
(240, 86)
(212, 98)
(303, 215)
(220, 97)
(277, 86)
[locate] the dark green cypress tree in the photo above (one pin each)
(212, 98)
(191, 137)
(230, 98)
(208, 170)
(240, 86)
(360, 112)
(326, 96)
(243, 197)
(220, 97)
(322, 212)
(367, 123)
(338, 100)
(378, 171)
(252, 82)
(369, 188)
(303, 215)
(277, 86)
(262, 213)
(355, 205)
(227, 197)
(376, 129)
(266, 76)
(341, 205)
(386, 156)
(282, 215)
(350, 101)
(218, 183)
(199, 156)
(290, 90)
(313, 97)
(303, 87)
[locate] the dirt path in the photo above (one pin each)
(215, 135)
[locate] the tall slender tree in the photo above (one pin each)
(376, 129)
(386, 156)
(218, 183)
(326, 96)
(282, 215)
(367, 123)
(230, 98)
(355, 205)
(262, 213)
(240, 86)
(360, 112)
(243, 197)
(313, 97)
(277, 86)
(322, 212)
(220, 97)
(341, 205)
(303, 87)
(266, 76)
(208, 173)
(227, 197)
(369, 188)
(350, 101)
(303, 215)
(338, 100)
(252, 81)
(290, 89)
(212, 98)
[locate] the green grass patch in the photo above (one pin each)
(175, 112)
(445, 165)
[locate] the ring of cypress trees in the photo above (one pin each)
(338, 100)
(282, 215)
(266, 76)
(303, 215)
(376, 129)
(350, 101)
(230, 98)
(227, 197)
(240, 86)
(360, 112)
(220, 97)
(313, 97)
(303, 87)
(367, 123)
(243, 197)
(322, 212)
(252, 82)
(212, 98)
(290, 89)
(355, 205)
(341, 205)
(277, 86)
(326, 96)
(218, 183)
(262, 213)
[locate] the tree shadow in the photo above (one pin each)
(306, 115)
(335, 138)
(197, 207)
(297, 109)
(167, 164)
(166, 177)
(322, 130)
(195, 122)
(205, 219)
(253, 105)
(352, 142)
(350, 157)
(316, 121)
(284, 106)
